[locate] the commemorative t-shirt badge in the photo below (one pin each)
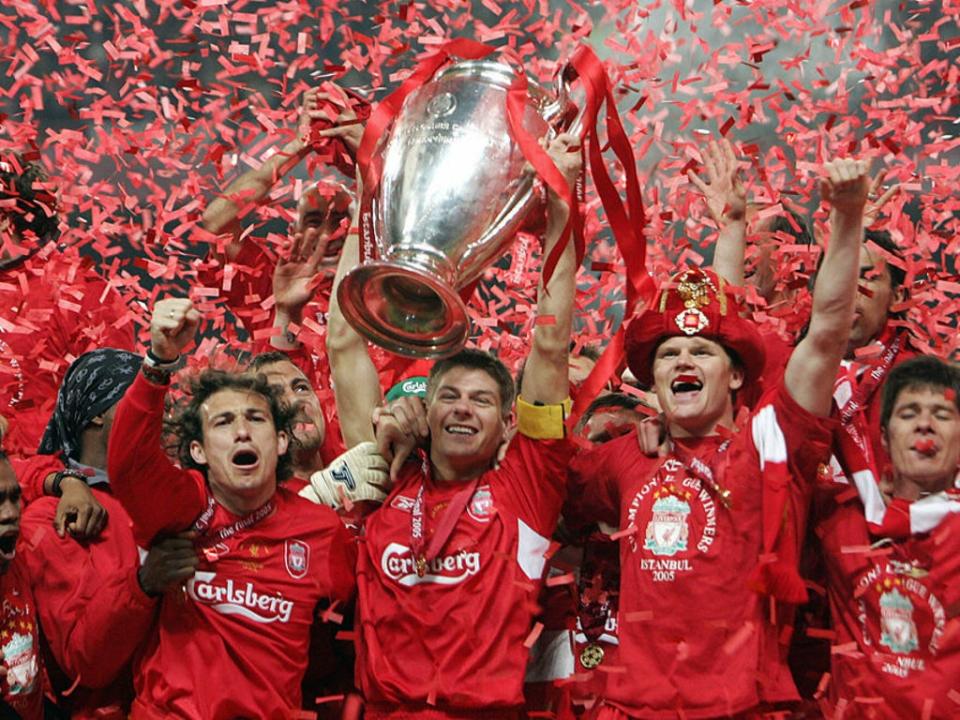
(20, 656)
(297, 558)
(668, 532)
(17, 644)
(898, 631)
(901, 616)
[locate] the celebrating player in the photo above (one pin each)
(893, 564)
(233, 643)
(720, 517)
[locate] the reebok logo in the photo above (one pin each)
(398, 564)
(344, 476)
(228, 598)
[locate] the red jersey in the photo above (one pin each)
(92, 610)
(695, 640)
(52, 310)
(21, 686)
(233, 642)
(894, 606)
(451, 641)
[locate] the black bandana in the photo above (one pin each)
(94, 383)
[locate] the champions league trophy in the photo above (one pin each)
(454, 189)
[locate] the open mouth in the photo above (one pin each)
(245, 458)
(8, 544)
(460, 430)
(304, 427)
(686, 384)
(926, 447)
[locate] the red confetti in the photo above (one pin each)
(556, 580)
(534, 634)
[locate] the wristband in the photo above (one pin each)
(55, 489)
(158, 363)
(155, 375)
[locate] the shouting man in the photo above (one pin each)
(234, 642)
(713, 526)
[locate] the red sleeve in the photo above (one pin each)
(31, 473)
(593, 494)
(159, 497)
(93, 613)
(530, 480)
(807, 438)
(789, 444)
(338, 582)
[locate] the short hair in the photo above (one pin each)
(28, 214)
(884, 240)
(591, 352)
(270, 357)
(611, 400)
(475, 360)
(186, 424)
(924, 371)
(797, 229)
(615, 400)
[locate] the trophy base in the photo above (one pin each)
(404, 309)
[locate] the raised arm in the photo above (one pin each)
(546, 374)
(295, 280)
(224, 211)
(356, 385)
(727, 202)
(159, 496)
(813, 365)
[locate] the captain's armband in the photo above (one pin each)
(543, 422)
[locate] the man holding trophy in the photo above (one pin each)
(450, 565)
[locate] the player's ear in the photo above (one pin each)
(197, 453)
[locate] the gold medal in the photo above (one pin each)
(591, 656)
(421, 566)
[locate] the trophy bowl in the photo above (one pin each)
(454, 190)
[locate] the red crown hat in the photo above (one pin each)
(694, 302)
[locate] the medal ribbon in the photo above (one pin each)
(626, 220)
(418, 525)
(703, 472)
(871, 381)
(853, 442)
(202, 523)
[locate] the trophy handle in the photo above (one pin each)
(562, 114)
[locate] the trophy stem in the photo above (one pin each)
(405, 307)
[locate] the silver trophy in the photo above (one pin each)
(454, 190)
